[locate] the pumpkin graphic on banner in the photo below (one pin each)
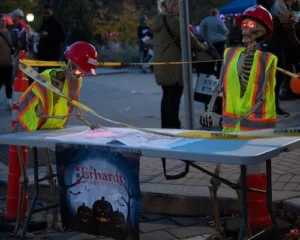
(99, 190)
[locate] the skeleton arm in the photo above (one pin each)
(41, 114)
(206, 119)
(216, 92)
(80, 116)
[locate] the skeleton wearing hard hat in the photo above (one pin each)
(42, 109)
(247, 81)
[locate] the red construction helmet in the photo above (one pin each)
(191, 28)
(84, 56)
(260, 14)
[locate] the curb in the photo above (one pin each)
(177, 200)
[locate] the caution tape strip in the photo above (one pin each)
(35, 63)
(268, 133)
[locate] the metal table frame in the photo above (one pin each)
(41, 141)
(36, 182)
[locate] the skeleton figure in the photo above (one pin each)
(82, 59)
(256, 23)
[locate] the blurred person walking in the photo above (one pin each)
(51, 35)
(215, 31)
(76, 33)
(167, 49)
(6, 60)
(284, 44)
(19, 37)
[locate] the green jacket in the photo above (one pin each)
(165, 50)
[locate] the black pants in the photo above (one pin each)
(6, 74)
(170, 106)
(220, 47)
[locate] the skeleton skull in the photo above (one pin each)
(252, 30)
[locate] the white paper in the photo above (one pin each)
(128, 137)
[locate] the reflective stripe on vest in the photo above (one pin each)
(39, 94)
(235, 106)
(61, 108)
(248, 125)
(33, 96)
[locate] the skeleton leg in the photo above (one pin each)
(53, 189)
(23, 190)
(215, 184)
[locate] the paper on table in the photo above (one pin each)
(129, 137)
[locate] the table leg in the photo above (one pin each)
(36, 194)
(244, 203)
(275, 226)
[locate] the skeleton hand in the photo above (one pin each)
(95, 126)
(206, 119)
(81, 117)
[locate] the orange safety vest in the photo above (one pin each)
(38, 94)
(235, 106)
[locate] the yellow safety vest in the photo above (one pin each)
(235, 106)
(36, 94)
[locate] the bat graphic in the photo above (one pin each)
(122, 205)
(75, 193)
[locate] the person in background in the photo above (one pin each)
(76, 33)
(19, 37)
(284, 44)
(144, 35)
(19, 33)
(51, 35)
(215, 31)
(6, 61)
(196, 28)
(166, 49)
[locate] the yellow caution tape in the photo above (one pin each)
(268, 133)
(34, 63)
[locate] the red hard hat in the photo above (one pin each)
(260, 14)
(191, 29)
(84, 56)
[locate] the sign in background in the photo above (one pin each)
(99, 190)
(206, 84)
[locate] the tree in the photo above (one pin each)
(120, 26)
(128, 201)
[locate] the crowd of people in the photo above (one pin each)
(284, 43)
(50, 42)
(47, 44)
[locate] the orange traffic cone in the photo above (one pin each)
(14, 174)
(258, 212)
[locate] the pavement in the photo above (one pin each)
(134, 98)
(152, 227)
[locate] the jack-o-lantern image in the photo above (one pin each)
(102, 211)
(119, 218)
(84, 213)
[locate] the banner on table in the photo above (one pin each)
(99, 190)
